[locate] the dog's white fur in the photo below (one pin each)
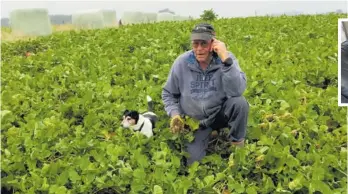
(147, 127)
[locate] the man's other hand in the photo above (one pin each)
(176, 124)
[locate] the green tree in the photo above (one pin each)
(208, 15)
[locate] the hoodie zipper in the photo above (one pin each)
(204, 76)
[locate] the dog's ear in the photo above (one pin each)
(125, 112)
(134, 114)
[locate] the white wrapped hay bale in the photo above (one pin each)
(109, 17)
(177, 18)
(185, 18)
(344, 29)
(133, 18)
(150, 17)
(181, 18)
(89, 19)
(165, 17)
(34, 21)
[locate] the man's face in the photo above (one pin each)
(202, 49)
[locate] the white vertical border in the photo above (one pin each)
(339, 38)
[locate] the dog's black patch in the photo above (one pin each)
(132, 114)
(152, 118)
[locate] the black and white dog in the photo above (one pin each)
(144, 123)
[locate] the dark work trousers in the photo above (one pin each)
(234, 115)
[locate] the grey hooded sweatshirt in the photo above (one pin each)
(344, 72)
(200, 94)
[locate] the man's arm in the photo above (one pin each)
(171, 93)
(233, 78)
(344, 72)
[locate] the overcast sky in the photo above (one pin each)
(193, 8)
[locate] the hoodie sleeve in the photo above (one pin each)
(344, 64)
(171, 92)
(344, 72)
(233, 79)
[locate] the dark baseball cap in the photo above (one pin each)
(203, 31)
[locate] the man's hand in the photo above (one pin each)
(176, 124)
(220, 48)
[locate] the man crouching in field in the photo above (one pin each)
(207, 84)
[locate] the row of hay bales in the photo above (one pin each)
(37, 21)
(140, 17)
(92, 19)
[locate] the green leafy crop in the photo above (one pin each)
(61, 108)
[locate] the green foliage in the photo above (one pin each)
(61, 109)
(208, 15)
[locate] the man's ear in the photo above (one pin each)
(212, 47)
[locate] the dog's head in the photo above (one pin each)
(130, 118)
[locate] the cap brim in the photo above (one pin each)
(201, 36)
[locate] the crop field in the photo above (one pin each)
(62, 97)
(7, 35)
